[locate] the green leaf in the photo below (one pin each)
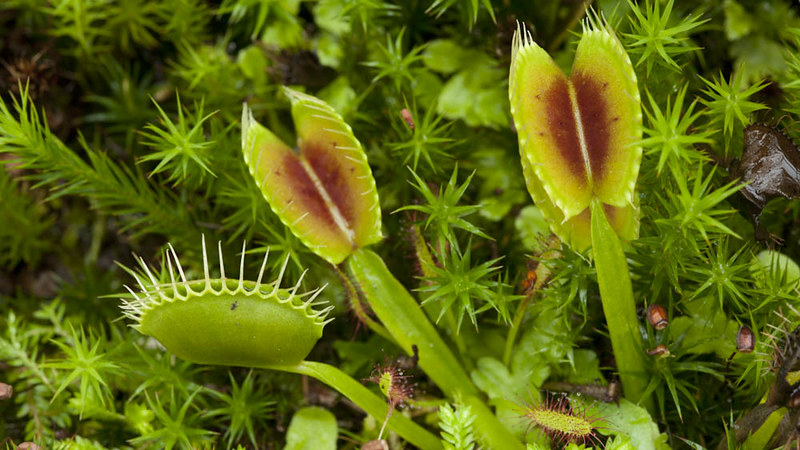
(760, 439)
(312, 428)
(284, 30)
(493, 378)
(253, 63)
(444, 56)
(532, 226)
(329, 15)
(777, 265)
(738, 23)
(759, 58)
(339, 95)
(476, 95)
(456, 425)
(627, 419)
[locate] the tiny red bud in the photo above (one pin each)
(794, 400)
(657, 316)
(377, 444)
(6, 391)
(660, 350)
(408, 117)
(529, 283)
(28, 446)
(745, 340)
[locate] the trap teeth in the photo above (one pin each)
(225, 321)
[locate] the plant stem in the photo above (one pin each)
(406, 321)
(542, 275)
(514, 329)
(619, 307)
(451, 328)
(358, 308)
(489, 431)
(366, 400)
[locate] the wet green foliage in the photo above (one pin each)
(119, 132)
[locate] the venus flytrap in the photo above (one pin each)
(326, 195)
(237, 322)
(325, 192)
(96, 198)
(332, 206)
(173, 309)
(579, 142)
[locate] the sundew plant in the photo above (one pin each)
(432, 224)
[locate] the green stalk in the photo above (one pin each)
(451, 328)
(514, 329)
(404, 319)
(366, 400)
(542, 275)
(619, 307)
(489, 431)
(358, 308)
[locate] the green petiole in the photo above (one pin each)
(366, 400)
(619, 307)
(405, 320)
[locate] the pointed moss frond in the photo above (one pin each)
(670, 133)
(654, 40)
(728, 102)
(439, 7)
(443, 209)
(113, 188)
(394, 64)
(180, 147)
(695, 209)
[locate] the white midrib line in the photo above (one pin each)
(573, 98)
(338, 218)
